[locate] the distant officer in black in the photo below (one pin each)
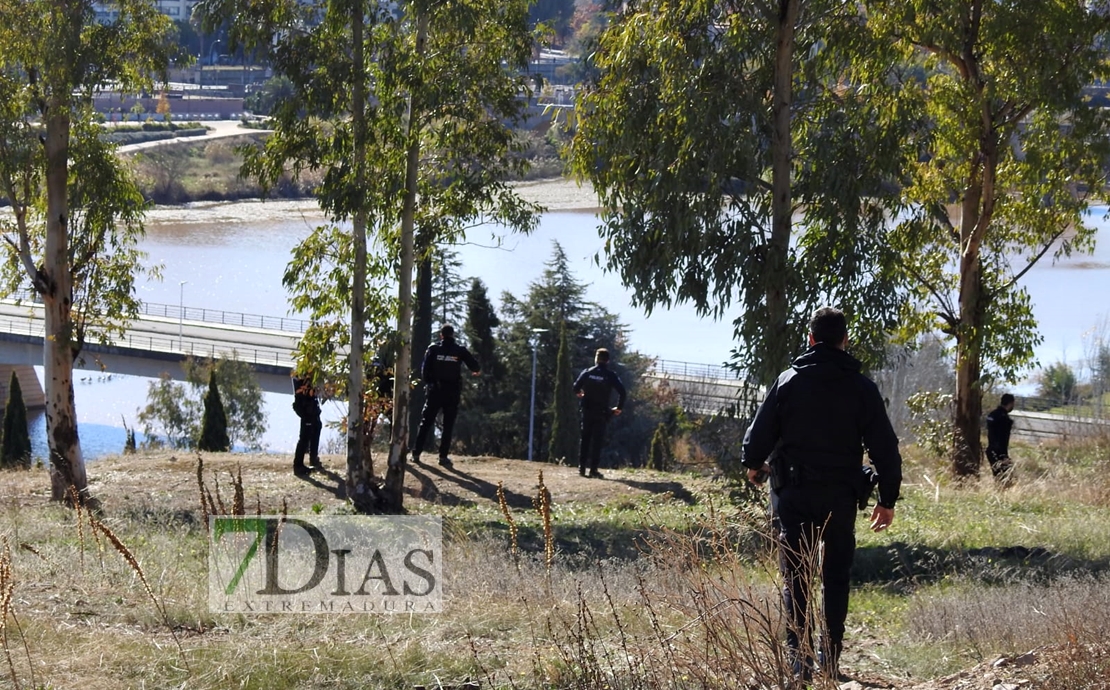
(442, 374)
(307, 406)
(813, 426)
(999, 424)
(594, 388)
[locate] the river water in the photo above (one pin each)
(232, 256)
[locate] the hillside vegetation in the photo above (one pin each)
(182, 170)
(656, 580)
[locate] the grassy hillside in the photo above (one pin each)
(208, 170)
(656, 581)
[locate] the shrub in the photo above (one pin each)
(15, 449)
(213, 429)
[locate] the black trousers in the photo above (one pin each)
(999, 461)
(593, 437)
(438, 398)
(308, 440)
(810, 517)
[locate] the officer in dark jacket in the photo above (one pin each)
(809, 434)
(594, 387)
(999, 425)
(306, 405)
(441, 372)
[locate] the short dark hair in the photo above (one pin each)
(1007, 398)
(829, 326)
(602, 355)
(447, 331)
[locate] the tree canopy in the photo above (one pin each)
(406, 107)
(1009, 149)
(76, 211)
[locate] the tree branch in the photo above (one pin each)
(1032, 262)
(945, 304)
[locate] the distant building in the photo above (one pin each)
(174, 9)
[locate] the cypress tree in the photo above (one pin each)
(564, 417)
(660, 448)
(482, 426)
(15, 448)
(213, 431)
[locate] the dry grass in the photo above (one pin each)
(694, 604)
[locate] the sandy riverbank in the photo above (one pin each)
(559, 194)
(554, 194)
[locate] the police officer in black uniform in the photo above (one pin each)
(306, 405)
(441, 372)
(999, 425)
(809, 435)
(594, 387)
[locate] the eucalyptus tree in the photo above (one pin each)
(406, 107)
(1009, 152)
(76, 212)
(735, 168)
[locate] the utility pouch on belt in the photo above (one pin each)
(868, 480)
(784, 472)
(778, 468)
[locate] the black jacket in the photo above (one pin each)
(999, 425)
(305, 402)
(820, 415)
(443, 362)
(597, 383)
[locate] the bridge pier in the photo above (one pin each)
(33, 396)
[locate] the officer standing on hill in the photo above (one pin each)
(594, 387)
(441, 372)
(809, 435)
(306, 405)
(999, 425)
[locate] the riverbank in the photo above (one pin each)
(206, 167)
(556, 194)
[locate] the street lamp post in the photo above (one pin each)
(534, 341)
(181, 317)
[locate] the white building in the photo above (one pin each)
(174, 9)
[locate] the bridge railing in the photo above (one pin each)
(709, 389)
(711, 372)
(250, 355)
(285, 324)
(226, 318)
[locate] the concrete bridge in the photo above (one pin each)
(162, 337)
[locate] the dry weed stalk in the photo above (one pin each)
(542, 502)
(130, 559)
(207, 505)
(728, 631)
(210, 507)
(7, 589)
(237, 502)
(503, 504)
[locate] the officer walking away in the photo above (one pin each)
(441, 372)
(594, 387)
(307, 406)
(809, 435)
(999, 424)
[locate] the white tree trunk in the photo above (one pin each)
(67, 466)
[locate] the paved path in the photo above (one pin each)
(217, 129)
